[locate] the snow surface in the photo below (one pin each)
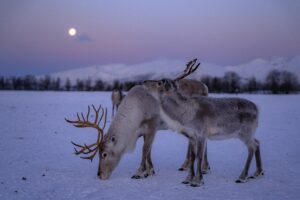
(258, 68)
(35, 145)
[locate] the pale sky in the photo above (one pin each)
(34, 33)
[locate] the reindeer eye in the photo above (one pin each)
(159, 83)
(104, 154)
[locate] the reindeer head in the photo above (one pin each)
(108, 159)
(166, 86)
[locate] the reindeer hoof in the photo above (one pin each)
(241, 180)
(146, 175)
(136, 177)
(150, 172)
(185, 182)
(257, 175)
(195, 185)
(183, 169)
(206, 170)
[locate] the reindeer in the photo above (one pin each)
(202, 118)
(138, 115)
(116, 98)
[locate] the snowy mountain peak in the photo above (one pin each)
(258, 68)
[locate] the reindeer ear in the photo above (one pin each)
(166, 84)
(175, 84)
(170, 85)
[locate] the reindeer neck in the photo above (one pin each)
(135, 108)
(177, 107)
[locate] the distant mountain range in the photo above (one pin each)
(258, 68)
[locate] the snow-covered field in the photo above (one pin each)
(37, 160)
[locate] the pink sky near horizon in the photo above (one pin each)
(34, 40)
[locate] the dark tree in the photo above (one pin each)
(289, 82)
(8, 83)
(18, 83)
(79, 85)
(68, 85)
(2, 83)
(252, 85)
(231, 82)
(45, 83)
(273, 81)
(116, 85)
(207, 80)
(88, 85)
(56, 84)
(99, 85)
(216, 85)
(30, 82)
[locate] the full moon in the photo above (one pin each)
(72, 31)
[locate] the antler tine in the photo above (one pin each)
(105, 117)
(190, 63)
(83, 148)
(189, 69)
(77, 145)
(98, 110)
(100, 130)
(78, 117)
(97, 113)
(83, 119)
(88, 114)
(91, 157)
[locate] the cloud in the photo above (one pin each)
(84, 38)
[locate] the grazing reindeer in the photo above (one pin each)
(138, 115)
(202, 118)
(116, 98)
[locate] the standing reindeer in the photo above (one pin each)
(138, 115)
(116, 98)
(202, 118)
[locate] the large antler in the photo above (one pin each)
(83, 122)
(188, 70)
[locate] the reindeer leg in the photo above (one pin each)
(205, 165)
(149, 164)
(259, 170)
(146, 166)
(148, 142)
(149, 138)
(192, 155)
(187, 161)
(142, 168)
(198, 179)
(244, 175)
(186, 164)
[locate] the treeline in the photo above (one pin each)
(276, 82)
(31, 82)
